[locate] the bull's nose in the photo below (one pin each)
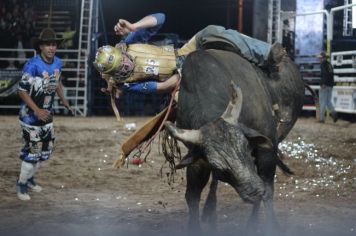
(256, 195)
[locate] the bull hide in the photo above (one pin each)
(236, 142)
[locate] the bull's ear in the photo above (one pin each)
(186, 161)
(256, 138)
(184, 135)
(233, 109)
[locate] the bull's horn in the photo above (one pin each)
(233, 109)
(184, 135)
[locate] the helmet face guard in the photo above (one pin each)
(110, 60)
(126, 66)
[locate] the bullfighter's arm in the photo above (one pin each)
(42, 114)
(24, 89)
(60, 94)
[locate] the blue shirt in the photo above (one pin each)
(40, 80)
(143, 35)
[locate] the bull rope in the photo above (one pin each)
(171, 152)
(168, 142)
(114, 107)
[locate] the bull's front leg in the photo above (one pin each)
(266, 167)
(209, 211)
(197, 177)
(252, 223)
(273, 227)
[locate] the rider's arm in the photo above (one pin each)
(149, 87)
(168, 85)
(145, 28)
(150, 21)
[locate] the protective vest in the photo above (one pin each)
(153, 62)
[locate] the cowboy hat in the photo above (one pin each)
(46, 35)
(322, 55)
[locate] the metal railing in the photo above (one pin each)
(344, 93)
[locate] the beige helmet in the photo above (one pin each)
(108, 59)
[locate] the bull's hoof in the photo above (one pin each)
(194, 229)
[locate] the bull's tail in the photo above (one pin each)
(281, 164)
(313, 93)
(316, 100)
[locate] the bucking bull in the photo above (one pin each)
(232, 115)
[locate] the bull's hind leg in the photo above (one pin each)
(197, 177)
(209, 210)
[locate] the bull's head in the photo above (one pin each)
(228, 147)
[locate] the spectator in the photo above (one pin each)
(326, 86)
(17, 21)
(288, 39)
(21, 55)
(6, 41)
(68, 36)
(2, 11)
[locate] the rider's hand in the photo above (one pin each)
(118, 91)
(123, 27)
(105, 76)
(109, 82)
(147, 87)
(106, 91)
(43, 114)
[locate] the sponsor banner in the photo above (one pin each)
(344, 99)
(8, 82)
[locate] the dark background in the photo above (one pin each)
(187, 17)
(184, 17)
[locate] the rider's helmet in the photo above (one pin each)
(107, 59)
(114, 61)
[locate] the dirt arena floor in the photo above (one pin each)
(84, 195)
